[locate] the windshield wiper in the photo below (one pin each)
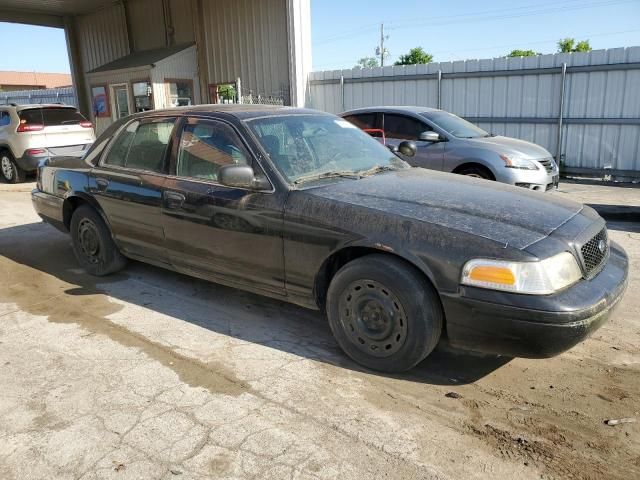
(332, 174)
(376, 169)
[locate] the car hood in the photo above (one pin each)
(513, 146)
(509, 215)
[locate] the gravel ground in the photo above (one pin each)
(151, 374)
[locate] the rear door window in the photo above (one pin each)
(403, 128)
(5, 118)
(363, 120)
(142, 146)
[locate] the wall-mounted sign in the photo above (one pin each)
(100, 101)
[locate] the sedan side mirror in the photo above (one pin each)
(241, 176)
(408, 148)
(430, 137)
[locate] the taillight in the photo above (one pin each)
(29, 127)
(86, 124)
(35, 151)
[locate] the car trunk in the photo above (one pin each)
(64, 130)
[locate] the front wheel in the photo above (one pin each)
(92, 243)
(384, 314)
(477, 172)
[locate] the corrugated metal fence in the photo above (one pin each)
(592, 98)
(50, 95)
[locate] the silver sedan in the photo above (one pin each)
(449, 143)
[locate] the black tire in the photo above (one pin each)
(92, 243)
(477, 172)
(384, 314)
(9, 169)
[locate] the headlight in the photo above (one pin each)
(534, 278)
(513, 161)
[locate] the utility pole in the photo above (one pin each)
(380, 50)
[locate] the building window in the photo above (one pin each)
(180, 93)
(142, 96)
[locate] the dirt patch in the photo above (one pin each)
(46, 282)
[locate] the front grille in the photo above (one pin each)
(547, 164)
(595, 252)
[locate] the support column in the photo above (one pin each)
(77, 73)
(299, 39)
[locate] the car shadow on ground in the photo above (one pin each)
(217, 308)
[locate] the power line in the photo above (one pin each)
(472, 18)
(370, 26)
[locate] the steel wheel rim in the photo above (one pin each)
(89, 240)
(373, 318)
(474, 175)
(7, 168)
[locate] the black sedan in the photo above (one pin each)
(302, 206)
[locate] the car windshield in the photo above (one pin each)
(313, 147)
(456, 126)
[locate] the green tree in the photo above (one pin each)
(227, 92)
(523, 53)
(415, 56)
(367, 62)
(569, 45)
(583, 46)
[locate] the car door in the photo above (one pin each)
(398, 128)
(128, 182)
(228, 234)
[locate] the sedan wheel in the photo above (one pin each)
(373, 318)
(384, 313)
(92, 243)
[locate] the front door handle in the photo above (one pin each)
(102, 183)
(173, 199)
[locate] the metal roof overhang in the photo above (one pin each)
(49, 13)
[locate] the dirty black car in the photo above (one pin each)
(302, 206)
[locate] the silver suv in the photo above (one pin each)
(30, 133)
(449, 143)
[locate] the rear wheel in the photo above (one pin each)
(11, 172)
(476, 171)
(384, 314)
(92, 243)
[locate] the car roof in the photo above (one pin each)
(37, 105)
(241, 111)
(392, 109)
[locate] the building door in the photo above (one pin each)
(120, 94)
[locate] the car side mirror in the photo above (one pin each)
(241, 176)
(430, 137)
(407, 148)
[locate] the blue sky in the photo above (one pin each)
(344, 31)
(347, 30)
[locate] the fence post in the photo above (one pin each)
(342, 92)
(561, 114)
(439, 89)
(239, 89)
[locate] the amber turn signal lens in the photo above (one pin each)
(486, 273)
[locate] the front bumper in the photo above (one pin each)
(537, 180)
(532, 326)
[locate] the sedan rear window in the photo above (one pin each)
(52, 116)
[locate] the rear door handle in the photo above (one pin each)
(173, 199)
(102, 183)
